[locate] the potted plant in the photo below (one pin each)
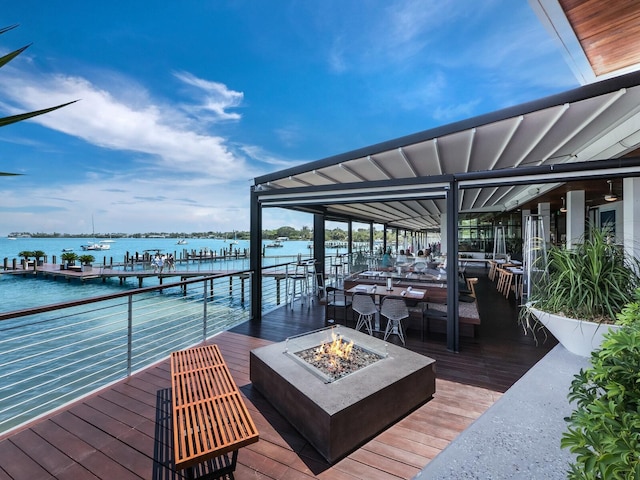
(26, 255)
(584, 290)
(38, 254)
(86, 261)
(603, 428)
(68, 258)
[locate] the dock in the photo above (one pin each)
(84, 273)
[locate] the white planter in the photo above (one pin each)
(578, 336)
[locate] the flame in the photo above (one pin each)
(336, 349)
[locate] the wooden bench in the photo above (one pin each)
(210, 419)
(468, 318)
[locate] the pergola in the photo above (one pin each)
(496, 162)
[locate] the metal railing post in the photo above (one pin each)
(129, 334)
(204, 310)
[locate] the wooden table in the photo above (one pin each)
(210, 419)
(408, 293)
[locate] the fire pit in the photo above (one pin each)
(339, 411)
(332, 359)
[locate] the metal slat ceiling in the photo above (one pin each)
(594, 122)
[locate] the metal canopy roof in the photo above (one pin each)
(403, 182)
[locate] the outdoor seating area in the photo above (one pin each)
(125, 430)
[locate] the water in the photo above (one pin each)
(57, 356)
(19, 292)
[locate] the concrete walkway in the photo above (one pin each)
(519, 436)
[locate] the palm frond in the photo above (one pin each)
(24, 116)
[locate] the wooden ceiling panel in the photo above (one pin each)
(608, 30)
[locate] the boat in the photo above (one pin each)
(182, 241)
(66, 250)
(234, 241)
(96, 246)
(101, 245)
(275, 244)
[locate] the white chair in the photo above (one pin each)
(419, 266)
(366, 308)
(395, 309)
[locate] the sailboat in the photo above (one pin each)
(102, 245)
(234, 241)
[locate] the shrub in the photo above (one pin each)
(604, 429)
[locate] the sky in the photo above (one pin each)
(181, 104)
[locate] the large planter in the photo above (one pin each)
(580, 337)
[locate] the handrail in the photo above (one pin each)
(111, 296)
(57, 353)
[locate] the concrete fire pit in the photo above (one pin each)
(339, 416)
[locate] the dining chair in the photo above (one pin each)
(395, 310)
(365, 307)
(336, 299)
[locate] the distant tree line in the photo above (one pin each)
(305, 233)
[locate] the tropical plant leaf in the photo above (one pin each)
(10, 56)
(24, 116)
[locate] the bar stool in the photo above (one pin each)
(299, 286)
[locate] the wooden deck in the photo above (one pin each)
(124, 431)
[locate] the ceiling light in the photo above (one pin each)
(610, 197)
(563, 208)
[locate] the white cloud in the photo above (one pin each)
(114, 120)
(217, 97)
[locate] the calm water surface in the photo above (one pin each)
(19, 292)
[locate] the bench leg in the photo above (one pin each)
(219, 467)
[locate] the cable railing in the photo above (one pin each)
(54, 354)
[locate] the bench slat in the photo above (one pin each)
(210, 417)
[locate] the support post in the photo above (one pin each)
(453, 327)
(255, 260)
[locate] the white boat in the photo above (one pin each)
(101, 245)
(182, 241)
(96, 246)
(275, 244)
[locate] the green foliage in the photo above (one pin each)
(38, 254)
(86, 259)
(69, 257)
(604, 429)
(592, 282)
(22, 116)
(26, 254)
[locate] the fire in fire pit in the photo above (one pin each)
(337, 358)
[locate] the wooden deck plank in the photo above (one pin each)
(117, 433)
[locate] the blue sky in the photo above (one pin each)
(183, 103)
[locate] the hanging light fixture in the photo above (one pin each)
(563, 208)
(610, 197)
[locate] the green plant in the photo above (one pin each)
(22, 116)
(38, 254)
(69, 257)
(591, 282)
(604, 429)
(86, 259)
(26, 254)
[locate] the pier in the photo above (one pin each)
(84, 273)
